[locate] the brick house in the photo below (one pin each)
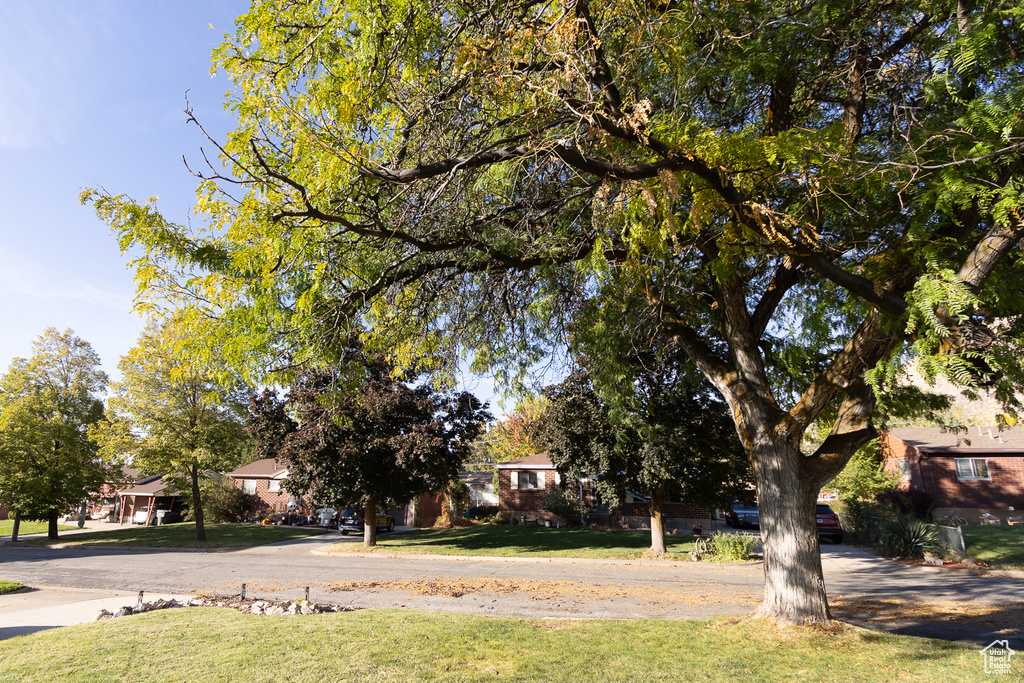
(969, 474)
(523, 483)
(262, 482)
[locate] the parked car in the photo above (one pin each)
(352, 521)
(828, 524)
(743, 516)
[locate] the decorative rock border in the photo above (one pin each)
(269, 608)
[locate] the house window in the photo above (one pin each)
(527, 480)
(274, 485)
(903, 469)
(249, 487)
(968, 469)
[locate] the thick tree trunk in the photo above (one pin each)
(16, 527)
(197, 506)
(657, 507)
(370, 522)
(794, 586)
(51, 529)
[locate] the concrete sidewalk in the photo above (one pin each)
(44, 607)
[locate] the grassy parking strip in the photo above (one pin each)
(7, 528)
(529, 541)
(10, 586)
(1000, 547)
(184, 536)
(390, 645)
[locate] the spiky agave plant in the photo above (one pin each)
(907, 536)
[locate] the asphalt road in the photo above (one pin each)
(538, 589)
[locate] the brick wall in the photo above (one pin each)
(1004, 489)
(522, 501)
(267, 502)
(935, 476)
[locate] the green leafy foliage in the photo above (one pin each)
(726, 547)
(49, 463)
(171, 414)
(366, 433)
(908, 536)
(777, 189)
(566, 504)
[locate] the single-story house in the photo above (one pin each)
(523, 484)
(263, 482)
(149, 494)
(967, 474)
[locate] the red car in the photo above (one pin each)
(828, 524)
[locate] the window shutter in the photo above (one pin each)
(515, 480)
(540, 480)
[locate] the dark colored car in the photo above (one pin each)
(352, 522)
(743, 516)
(828, 524)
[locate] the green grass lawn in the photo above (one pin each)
(184, 536)
(212, 644)
(1000, 547)
(10, 586)
(7, 528)
(518, 541)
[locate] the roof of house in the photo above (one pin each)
(538, 461)
(151, 486)
(476, 478)
(976, 440)
(267, 468)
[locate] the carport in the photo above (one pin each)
(148, 494)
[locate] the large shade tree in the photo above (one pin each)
(48, 463)
(801, 193)
(365, 433)
(175, 415)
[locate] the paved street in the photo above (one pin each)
(541, 589)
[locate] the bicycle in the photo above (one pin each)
(952, 520)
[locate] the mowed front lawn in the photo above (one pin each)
(7, 528)
(183, 535)
(209, 644)
(1000, 547)
(519, 541)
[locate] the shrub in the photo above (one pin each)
(916, 503)
(907, 536)
(223, 501)
(732, 547)
(565, 504)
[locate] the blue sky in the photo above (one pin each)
(92, 95)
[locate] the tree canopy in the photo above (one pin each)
(171, 415)
(802, 194)
(362, 433)
(671, 441)
(48, 463)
